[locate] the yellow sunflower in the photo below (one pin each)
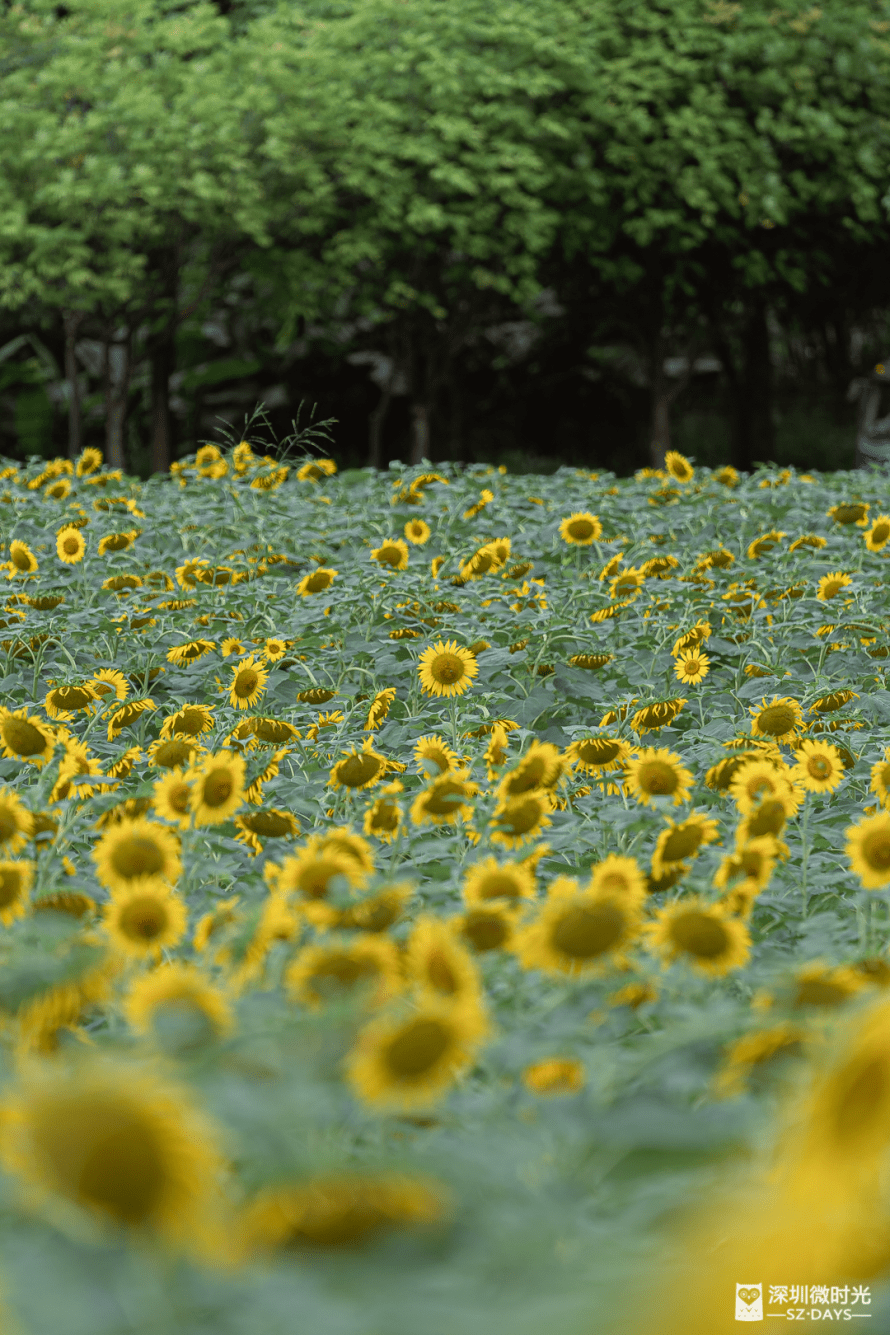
(868, 848)
(692, 639)
(333, 967)
(124, 1149)
(555, 1076)
(314, 872)
(339, 1211)
(521, 819)
(181, 990)
(317, 582)
(64, 701)
(878, 535)
(681, 841)
(656, 772)
(144, 921)
(602, 754)
(25, 737)
(540, 767)
(407, 1062)
(445, 800)
(417, 532)
(617, 875)
(16, 878)
(109, 681)
(581, 528)
(753, 861)
(173, 754)
(853, 512)
(439, 965)
(89, 462)
(678, 466)
(70, 546)
(383, 818)
(488, 927)
(781, 720)
(189, 721)
(819, 767)
(446, 669)
(359, 769)
(578, 932)
(392, 553)
(691, 665)
(22, 560)
(127, 715)
(170, 800)
(216, 788)
(831, 585)
(757, 779)
(433, 756)
(16, 821)
(702, 935)
(880, 779)
(489, 880)
(756, 1051)
(380, 707)
(248, 683)
(769, 817)
(137, 854)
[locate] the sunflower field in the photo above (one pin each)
(440, 901)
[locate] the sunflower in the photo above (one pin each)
(439, 965)
(578, 932)
(581, 529)
(248, 683)
(691, 665)
(489, 881)
(591, 662)
(446, 669)
(756, 1051)
(781, 719)
(374, 913)
(417, 532)
(181, 991)
(109, 681)
(681, 841)
(752, 861)
(317, 582)
(678, 466)
(445, 800)
(173, 754)
(124, 766)
(657, 772)
(868, 848)
(70, 546)
(333, 967)
(521, 819)
(855, 512)
(89, 461)
(599, 755)
(701, 934)
(819, 767)
(555, 1076)
(831, 703)
(878, 535)
(765, 543)
(22, 560)
(231, 646)
(407, 1062)
(818, 984)
(337, 1211)
(125, 1150)
(540, 767)
(383, 818)
(64, 701)
(433, 756)
(272, 823)
(314, 872)
(660, 714)
(137, 854)
(189, 721)
(880, 779)
(170, 799)
(626, 586)
(617, 875)
(25, 737)
(488, 927)
(127, 715)
(379, 708)
(16, 878)
(16, 821)
(144, 921)
(273, 731)
(359, 769)
(831, 585)
(392, 553)
(756, 779)
(216, 788)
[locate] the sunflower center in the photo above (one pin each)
(486, 931)
(876, 850)
(681, 842)
(314, 881)
(441, 974)
(144, 919)
(137, 855)
(530, 775)
(178, 797)
(172, 754)
(585, 932)
(880, 533)
(446, 798)
(246, 682)
(522, 818)
(701, 935)
(581, 528)
(23, 738)
(8, 824)
(385, 818)
(598, 751)
(498, 886)
(190, 722)
(657, 778)
(10, 887)
(417, 1048)
(776, 720)
(819, 767)
(770, 819)
(21, 560)
(344, 970)
(70, 546)
(217, 788)
(268, 824)
(358, 770)
(447, 669)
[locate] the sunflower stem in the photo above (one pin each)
(805, 856)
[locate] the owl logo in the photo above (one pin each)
(749, 1302)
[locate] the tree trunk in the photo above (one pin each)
(162, 367)
(420, 433)
(72, 322)
(757, 399)
(740, 442)
(663, 396)
(117, 391)
(375, 428)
